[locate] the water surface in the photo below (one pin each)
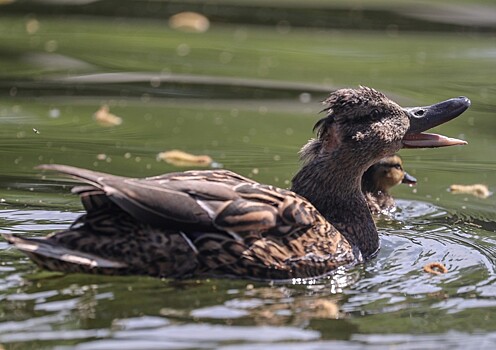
(246, 92)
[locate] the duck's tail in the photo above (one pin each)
(54, 257)
(88, 176)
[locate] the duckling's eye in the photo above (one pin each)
(375, 114)
(397, 166)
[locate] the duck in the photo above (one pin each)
(379, 179)
(216, 223)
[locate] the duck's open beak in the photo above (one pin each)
(425, 118)
(409, 179)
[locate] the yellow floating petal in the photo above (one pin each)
(189, 22)
(181, 158)
(105, 118)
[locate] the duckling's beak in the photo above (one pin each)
(425, 118)
(409, 179)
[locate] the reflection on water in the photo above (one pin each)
(246, 92)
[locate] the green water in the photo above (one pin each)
(246, 92)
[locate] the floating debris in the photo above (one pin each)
(105, 118)
(322, 308)
(180, 158)
(101, 156)
(170, 312)
(189, 22)
(36, 131)
(436, 268)
(477, 190)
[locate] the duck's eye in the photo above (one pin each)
(397, 166)
(375, 114)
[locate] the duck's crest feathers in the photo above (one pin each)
(347, 104)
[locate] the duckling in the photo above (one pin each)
(379, 179)
(218, 223)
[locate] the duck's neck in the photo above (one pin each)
(368, 183)
(332, 183)
(371, 184)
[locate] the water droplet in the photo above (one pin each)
(54, 113)
(305, 97)
(32, 26)
(183, 50)
(51, 46)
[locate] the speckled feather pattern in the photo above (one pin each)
(247, 229)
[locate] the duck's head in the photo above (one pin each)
(385, 174)
(365, 126)
(361, 127)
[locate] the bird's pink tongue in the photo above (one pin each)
(426, 140)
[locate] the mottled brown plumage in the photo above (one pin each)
(379, 179)
(218, 223)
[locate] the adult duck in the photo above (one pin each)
(379, 179)
(218, 223)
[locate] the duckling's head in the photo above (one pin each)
(363, 125)
(385, 174)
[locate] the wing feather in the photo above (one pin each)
(211, 200)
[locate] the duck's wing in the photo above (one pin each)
(212, 201)
(191, 223)
(222, 176)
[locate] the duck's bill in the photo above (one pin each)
(409, 179)
(428, 117)
(425, 140)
